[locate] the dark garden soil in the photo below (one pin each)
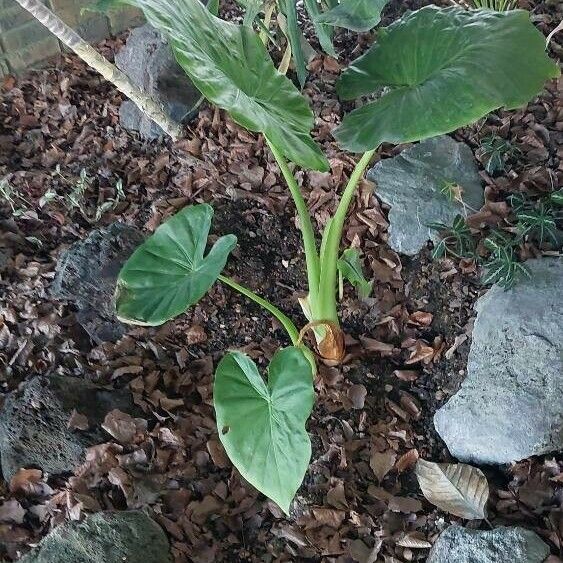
(407, 344)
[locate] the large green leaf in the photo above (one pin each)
(169, 271)
(262, 427)
(232, 68)
(357, 15)
(445, 68)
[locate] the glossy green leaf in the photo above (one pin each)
(324, 32)
(350, 266)
(445, 68)
(357, 15)
(262, 426)
(169, 271)
(294, 38)
(231, 67)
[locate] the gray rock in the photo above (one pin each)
(87, 273)
(501, 545)
(105, 537)
(34, 422)
(411, 182)
(509, 406)
(148, 61)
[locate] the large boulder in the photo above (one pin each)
(501, 545)
(36, 428)
(412, 183)
(510, 405)
(105, 537)
(86, 276)
(148, 61)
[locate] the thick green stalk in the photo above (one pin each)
(309, 244)
(326, 305)
(285, 321)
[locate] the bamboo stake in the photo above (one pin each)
(110, 72)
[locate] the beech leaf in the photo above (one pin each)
(457, 488)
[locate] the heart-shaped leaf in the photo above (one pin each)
(457, 488)
(445, 68)
(169, 272)
(231, 67)
(357, 15)
(262, 427)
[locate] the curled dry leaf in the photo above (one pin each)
(27, 482)
(421, 353)
(457, 488)
(382, 462)
(332, 346)
(406, 374)
(414, 540)
(407, 461)
(420, 318)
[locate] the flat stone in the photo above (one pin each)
(411, 182)
(86, 276)
(148, 61)
(510, 405)
(104, 537)
(34, 422)
(501, 545)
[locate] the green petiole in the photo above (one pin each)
(326, 306)
(285, 321)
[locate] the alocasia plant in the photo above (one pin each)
(440, 69)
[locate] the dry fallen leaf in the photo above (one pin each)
(360, 552)
(357, 394)
(420, 318)
(414, 540)
(421, 353)
(26, 481)
(406, 374)
(12, 511)
(407, 460)
(77, 421)
(382, 462)
(404, 504)
(457, 488)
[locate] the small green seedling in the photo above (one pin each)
(502, 266)
(439, 69)
(456, 240)
(498, 151)
(497, 5)
(537, 221)
(12, 196)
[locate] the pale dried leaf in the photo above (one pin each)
(360, 552)
(382, 462)
(12, 511)
(457, 488)
(414, 540)
(407, 460)
(404, 504)
(357, 394)
(77, 421)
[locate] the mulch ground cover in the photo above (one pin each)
(407, 344)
